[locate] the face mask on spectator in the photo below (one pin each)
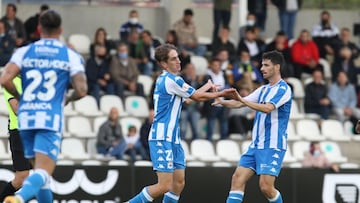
(133, 20)
(250, 22)
(122, 55)
(317, 152)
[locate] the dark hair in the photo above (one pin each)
(188, 12)
(13, 6)
(50, 21)
(280, 33)
(44, 7)
(275, 57)
(147, 32)
(132, 128)
(325, 12)
(162, 52)
(174, 35)
(100, 29)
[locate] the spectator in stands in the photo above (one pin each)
(305, 55)
(241, 119)
(14, 26)
(132, 24)
(110, 140)
(98, 74)
(325, 34)
(345, 62)
(184, 56)
(259, 9)
(281, 44)
(223, 42)
(187, 35)
(357, 127)
(343, 99)
(226, 65)
(345, 41)
(145, 130)
(124, 71)
(7, 45)
(245, 73)
(134, 45)
(147, 64)
(316, 158)
(222, 15)
(252, 44)
(287, 15)
(218, 112)
(31, 25)
(133, 145)
(100, 39)
(250, 22)
(316, 96)
(190, 112)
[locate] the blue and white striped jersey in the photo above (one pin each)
(269, 129)
(46, 69)
(169, 94)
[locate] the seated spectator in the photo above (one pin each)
(305, 55)
(98, 74)
(184, 56)
(343, 98)
(186, 32)
(132, 24)
(133, 145)
(325, 35)
(316, 96)
(315, 158)
(225, 65)
(31, 25)
(147, 64)
(280, 44)
(218, 112)
(245, 73)
(110, 140)
(223, 42)
(250, 22)
(241, 119)
(145, 130)
(345, 41)
(190, 112)
(7, 45)
(14, 26)
(253, 45)
(124, 72)
(345, 62)
(100, 38)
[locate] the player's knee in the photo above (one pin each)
(179, 184)
(165, 187)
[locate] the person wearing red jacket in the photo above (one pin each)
(305, 55)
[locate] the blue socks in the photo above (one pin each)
(33, 184)
(235, 197)
(170, 197)
(277, 198)
(45, 195)
(142, 197)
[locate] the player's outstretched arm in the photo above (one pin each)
(204, 96)
(80, 87)
(228, 103)
(11, 70)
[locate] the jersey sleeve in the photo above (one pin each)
(76, 62)
(18, 56)
(282, 95)
(178, 86)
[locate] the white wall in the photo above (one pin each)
(86, 19)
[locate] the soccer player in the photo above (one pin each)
(166, 152)
(265, 154)
(47, 67)
(21, 165)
